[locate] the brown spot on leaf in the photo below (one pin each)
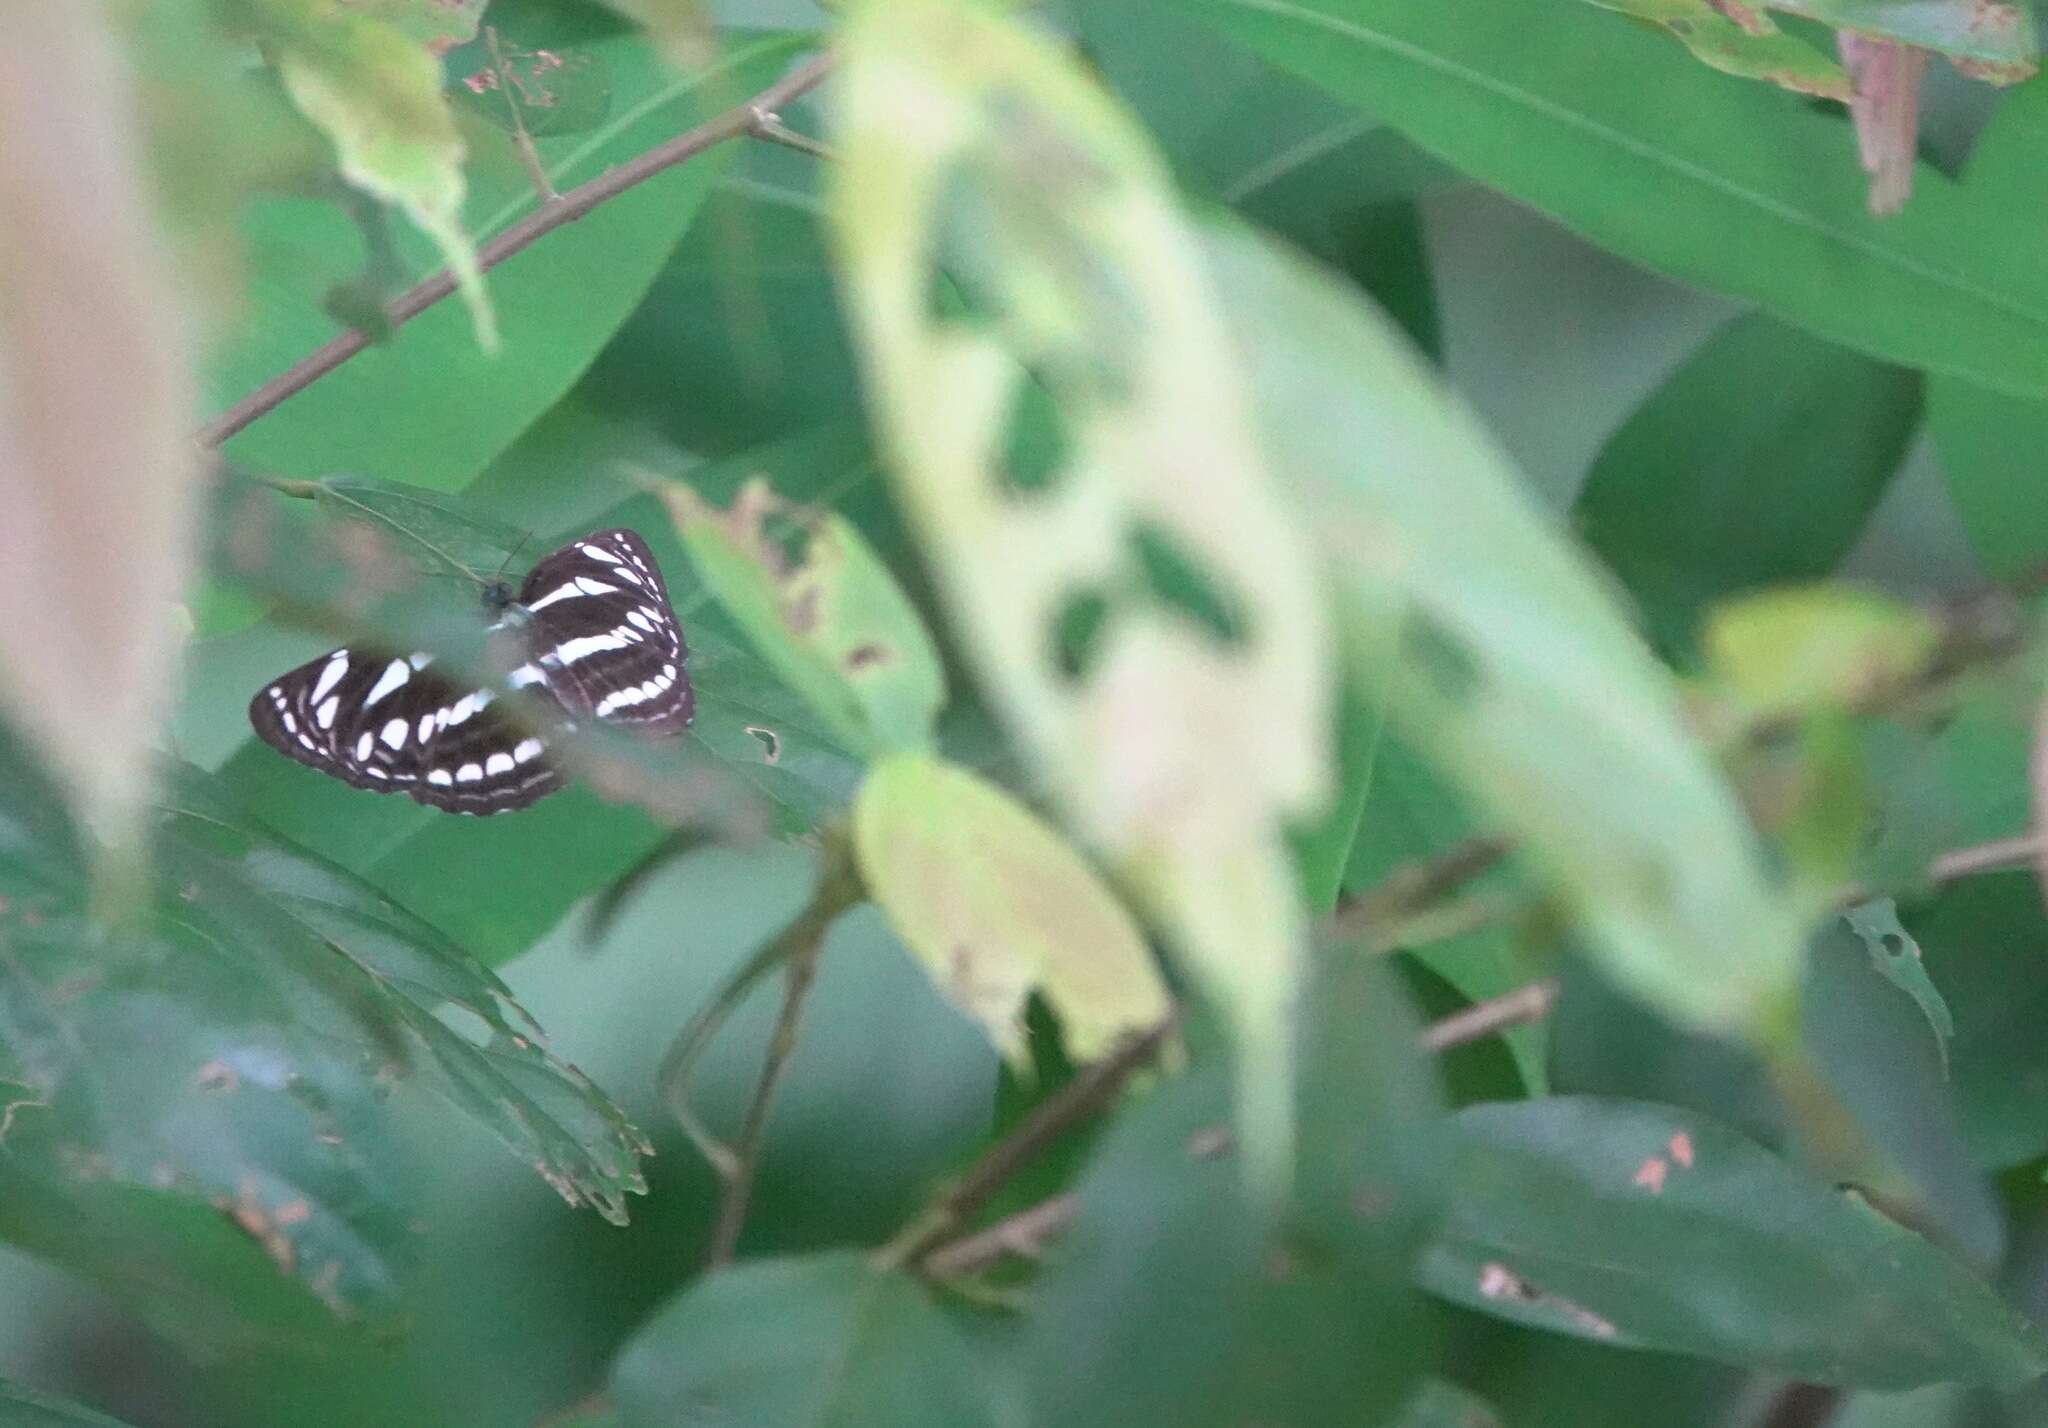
(866, 656)
(771, 743)
(253, 1219)
(1680, 1146)
(1498, 1282)
(1650, 1174)
(1210, 1142)
(218, 1076)
(801, 614)
(292, 1212)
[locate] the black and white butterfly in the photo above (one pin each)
(593, 623)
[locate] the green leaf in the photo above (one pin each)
(1901, 1138)
(428, 408)
(1989, 441)
(96, 468)
(1632, 1224)
(1898, 959)
(1752, 195)
(995, 906)
(1515, 674)
(1990, 41)
(277, 998)
(1141, 608)
(1752, 47)
(1816, 649)
(832, 620)
(22, 1408)
(1441, 1404)
(1986, 938)
(1758, 462)
(827, 1341)
(1173, 1298)
(375, 90)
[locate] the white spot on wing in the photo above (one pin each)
(330, 675)
(498, 763)
(395, 732)
(395, 674)
(567, 591)
(526, 751)
(469, 773)
(419, 660)
(583, 646)
(594, 587)
(440, 778)
(524, 675)
(598, 552)
(324, 715)
(363, 746)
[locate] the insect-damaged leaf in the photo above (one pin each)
(376, 93)
(1742, 41)
(1634, 1224)
(1140, 601)
(230, 1045)
(995, 905)
(1515, 674)
(831, 620)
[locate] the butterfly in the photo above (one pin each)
(597, 637)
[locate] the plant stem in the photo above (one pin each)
(735, 123)
(1085, 1096)
(839, 887)
(523, 141)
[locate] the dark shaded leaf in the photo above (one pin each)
(1633, 1224)
(20, 1408)
(824, 1342)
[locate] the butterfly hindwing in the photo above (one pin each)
(599, 638)
(602, 635)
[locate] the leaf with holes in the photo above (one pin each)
(1897, 958)
(280, 998)
(1633, 1224)
(1142, 604)
(1516, 675)
(831, 620)
(996, 906)
(376, 92)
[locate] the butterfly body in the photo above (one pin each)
(596, 640)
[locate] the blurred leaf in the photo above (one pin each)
(1173, 1298)
(995, 905)
(1440, 1404)
(1989, 441)
(1758, 462)
(445, 535)
(802, 1343)
(1989, 945)
(374, 88)
(1142, 609)
(686, 31)
(428, 408)
(1749, 196)
(1816, 649)
(96, 468)
(277, 999)
(1986, 39)
(1898, 959)
(21, 1408)
(1870, 1044)
(435, 24)
(1516, 675)
(1742, 41)
(1632, 1224)
(831, 621)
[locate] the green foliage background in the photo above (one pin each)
(1733, 1165)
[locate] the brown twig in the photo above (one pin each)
(1022, 1236)
(1087, 1094)
(1525, 1004)
(735, 123)
(839, 887)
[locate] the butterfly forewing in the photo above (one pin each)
(599, 640)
